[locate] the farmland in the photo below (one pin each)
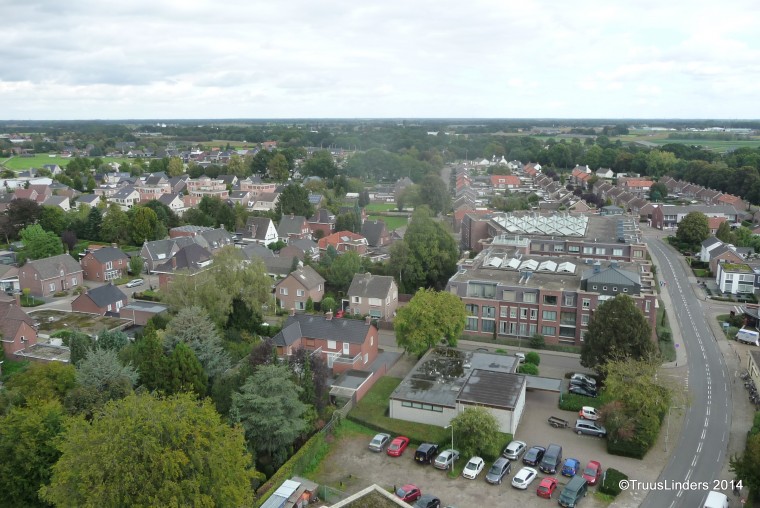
(39, 160)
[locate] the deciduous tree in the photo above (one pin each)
(476, 432)
(294, 200)
(149, 451)
(435, 194)
(693, 229)
(115, 226)
(144, 222)
(431, 317)
(618, 330)
(39, 244)
(278, 168)
(343, 269)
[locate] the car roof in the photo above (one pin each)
(401, 438)
(572, 460)
(548, 479)
(475, 459)
(516, 443)
(409, 486)
(593, 462)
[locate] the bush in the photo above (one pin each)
(533, 358)
(611, 482)
(573, 402)
(528, 368)
(633, 449)
(537, 341)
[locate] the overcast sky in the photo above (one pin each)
(164, 59)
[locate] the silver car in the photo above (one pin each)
(446, 459)
(514, 450)
(589, 427)
(498, 471)
(379, 442)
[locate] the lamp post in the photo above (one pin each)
(452, 434)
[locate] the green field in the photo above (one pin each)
(380, 207)
(39, 160)
(390, 222)
(661, 138)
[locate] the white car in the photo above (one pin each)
(583, 378)
(520, 358)
(589, 413)
(135, 283)
(514, 450)
(473, 468)
(446, 459)
(524, 477)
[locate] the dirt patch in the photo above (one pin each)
(50, 321)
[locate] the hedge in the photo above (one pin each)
(633, 449)
(611, 482)
(573, 402)
(305, 458)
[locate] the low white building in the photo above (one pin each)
(447, 381)
(736, 278)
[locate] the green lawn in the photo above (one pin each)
(380, 207)
(390, 222)
(39, 160)
(11, 367)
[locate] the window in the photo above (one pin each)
(109, 307)
(426, 407)
(523, 313)
(503, 327)
(481, 290)
(569, 301)
(299, 292)
(472, 310)
(614, 289)
(529, 297)
(532, 329)
(284, 291)
(523, 329)
(586, 303)
(533, 314)
(550, 300)
(371, 340)
(513, 312)
(74, 281)
(508, 296)
(375, 302)
(319, 288)
(549, 315)
(109, 265)
(300, 306)
(346, 348)
(489, 312)
(503, 311)
(594, 287)
(604, 288)
(331, 344)
(489, 325)
(356, 299)
(588, 250)
(52, 286)
(574, 249)
(549, 330)
(646, 306)
(617, 252)
(366, 358)
(471, 324)
(584, 319)
(638, 254)
(601, 251)
(559, 248)
(625, 290)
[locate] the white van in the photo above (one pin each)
(748, 337)
(716, 500)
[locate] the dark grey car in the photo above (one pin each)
(499, 470)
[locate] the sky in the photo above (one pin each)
(181, 59)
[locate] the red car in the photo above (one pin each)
(547, 487)
(409, 493)
(397, 446)
(339, 314)
(593, 472)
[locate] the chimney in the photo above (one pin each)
(597, 267)
(328, 315)
(292, 311)
(174, 263)
(368, 320)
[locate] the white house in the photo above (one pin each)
(708, 245)
(736, 278)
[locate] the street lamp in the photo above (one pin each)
(452, 435)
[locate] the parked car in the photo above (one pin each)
(426, 453)
(520, 358)
(379, 442)
(446, 459)
(590, 428)
(498, 471)
(409, 493)
(585, 379)
(588, 413)
(397, 446)
(427, 501)
(135, 282)
(534, 455)
(473, 468)
(593, 472)
(514, 450)
(340, 314)
(524, 477)
(581, 390)
(573, 492)
(552, 459)
(547, 487)
(570, 467)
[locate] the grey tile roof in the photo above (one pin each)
(370, 286)
(51, 267)
(168, 198)
(215, 238)
(124, 193)
(305, 244)
(55, 200)
(108, 254)
(256, 227)
(611, 275)
(318, 327)
(160, 249)
(257, 252)
(187, 258)
(88, 199)
(307, 276)
(373, 231)
(290, 225)
(104, 295)
(322, 216)
(710, 242)
(278, 266)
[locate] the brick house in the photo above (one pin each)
(44, 277)
(104, 264)
(344, 241)
(323, 221)
(17, 330)
(373, 295)
(100, 300)
(188, 261)
(293, 227)
(344, 344)
(294, 290)
(376, 233)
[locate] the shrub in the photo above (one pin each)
(628, 448)
(573, 402)
(611, 482)
(533, 358)
(528, 368)
(537, 341)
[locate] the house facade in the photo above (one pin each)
(293, 227)
(373, 295)
(44, 277)
(104, 264)
(17, 329)
(294, 291)
(100, 300)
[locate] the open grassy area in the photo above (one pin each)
(390, 222)
(380, 207)
(39, 160)
(86, 323)
(661, 138)
(665, 336)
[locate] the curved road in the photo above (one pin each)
(701, 449)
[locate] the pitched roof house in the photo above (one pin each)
(343, 343)
(373, 295)
(344, 241)
(104, 264)
(188, 261)
(259, 230)
(293, 227)
(100, 300)
(293, 291)
(17, 329)
(376, 233)
(323, 221)
(44, 277)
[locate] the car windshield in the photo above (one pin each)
(471, 465)
(518, 479)
(531, 454)
(495, 469)
(590, 471)
(377, 440)
(395, 446)
(401, 492)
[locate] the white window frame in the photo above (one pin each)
(331, 344)
(300, 292)
(284, 291)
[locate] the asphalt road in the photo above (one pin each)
(701, 449)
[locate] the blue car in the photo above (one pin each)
(571, 467)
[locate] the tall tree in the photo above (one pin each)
(294, 199)
(39, 244)
(194, 327)
(747, 465)
(184, 372)
(430, 318)
(270, 411)
(115, 340)
(343, 269)
(20, 213)
(115, 226)
(320, 164)
(28, 452)
(435, 194)
(693, 229)
(476, 431)
(150, 451)
(143, 225)
(93, 224)
(102, 370)
(617, 330)
(278, 168)
(50, 381)
(53, 219)
(151, 360)
(175, 167)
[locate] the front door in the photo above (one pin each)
(346, 348)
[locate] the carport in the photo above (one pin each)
(545, 384)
